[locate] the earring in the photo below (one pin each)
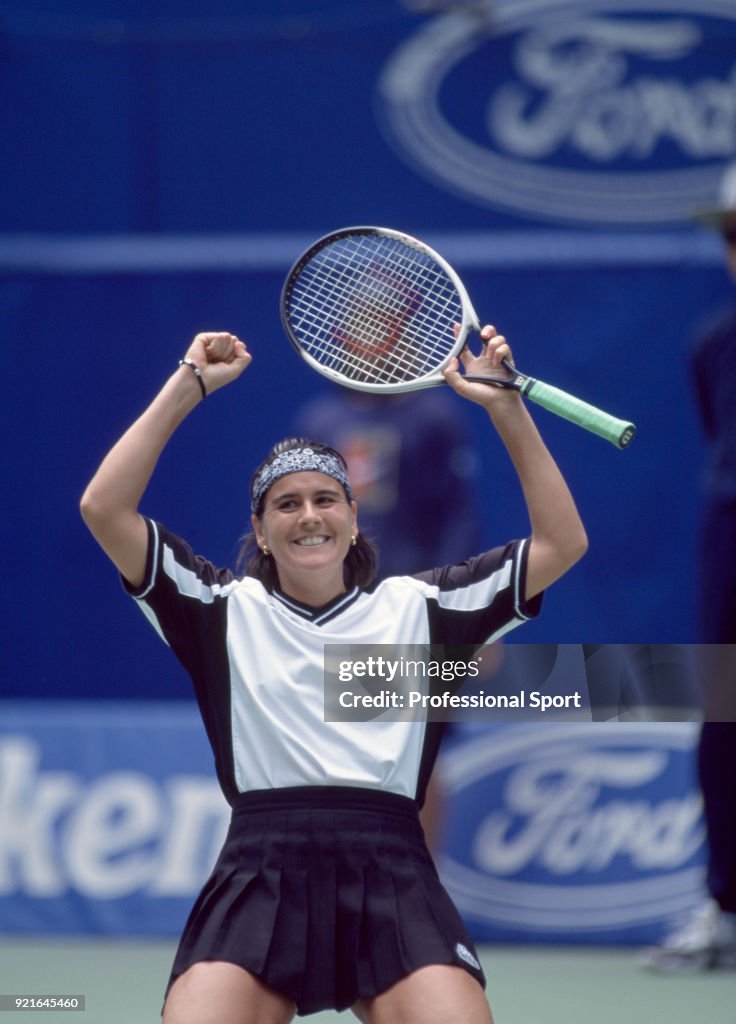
(353, 541)
(265, 549)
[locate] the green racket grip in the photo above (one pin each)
(618, 432)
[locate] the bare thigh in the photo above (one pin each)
(213, 992)
(440, 994)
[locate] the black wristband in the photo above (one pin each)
(197, 373)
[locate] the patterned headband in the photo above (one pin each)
(298, 460)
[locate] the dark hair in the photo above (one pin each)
(361, 562)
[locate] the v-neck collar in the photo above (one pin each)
(322, 614)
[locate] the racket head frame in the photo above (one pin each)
(468, 322)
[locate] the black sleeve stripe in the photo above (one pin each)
(487, 599)
(154, 544)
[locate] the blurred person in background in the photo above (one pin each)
(415, 518)
(708, 938)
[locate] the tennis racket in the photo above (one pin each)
(373, 309)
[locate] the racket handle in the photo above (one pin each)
(618, 432)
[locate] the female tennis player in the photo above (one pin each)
(324, 894)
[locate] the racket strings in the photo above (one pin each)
(367, 315)
(374, 309)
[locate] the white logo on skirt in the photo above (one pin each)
(464, 953)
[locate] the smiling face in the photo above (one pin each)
(307, 524)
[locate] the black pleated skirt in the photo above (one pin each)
(327, 894)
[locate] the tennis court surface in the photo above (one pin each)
(123, 982)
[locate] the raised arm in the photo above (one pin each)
(558, 537)
(109, 505)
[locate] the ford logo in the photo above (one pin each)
(574, 829)
(600, 112)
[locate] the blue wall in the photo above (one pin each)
(161, 171)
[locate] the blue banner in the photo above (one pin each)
(110, 819)
(573, 833)
(296, 115)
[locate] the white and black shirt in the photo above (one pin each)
(257, 661)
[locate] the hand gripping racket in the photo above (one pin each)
(373, 309)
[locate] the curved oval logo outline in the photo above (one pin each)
(412, 121)
(577, 907)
